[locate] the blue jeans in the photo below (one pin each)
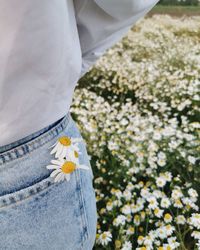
(37, 213)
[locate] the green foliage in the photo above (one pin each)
(179, 2)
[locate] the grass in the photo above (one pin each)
(175, 10)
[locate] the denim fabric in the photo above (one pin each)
(36, 212)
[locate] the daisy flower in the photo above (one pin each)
(63, 168)
(130, 230)
(105, 238)
(127, 246)
(180, 219)
(195, 220)
(167, 217)
(65, 146)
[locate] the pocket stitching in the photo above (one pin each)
(36, 143)
(25, 193)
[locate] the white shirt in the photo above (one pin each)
(45, 47)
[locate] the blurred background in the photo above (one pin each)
(177, 7)
(138, 110)
(179, 2)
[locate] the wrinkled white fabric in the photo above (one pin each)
(45, 47)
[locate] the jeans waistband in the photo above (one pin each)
(33, 141)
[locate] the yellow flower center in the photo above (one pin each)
(140, 237)
(131, 229)
(167, 216)
(118, 243)
(76, 154)
(64, 140)
(136, 218)
(68, 167)
(104, 236)
(109, 203)
(168, 227)
(178, 202)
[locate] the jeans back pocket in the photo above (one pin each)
(35, 210)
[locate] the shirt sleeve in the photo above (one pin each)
(102, 23)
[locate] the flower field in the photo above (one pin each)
(138, 110)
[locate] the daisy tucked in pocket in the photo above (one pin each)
(46, 196)
(67, 152)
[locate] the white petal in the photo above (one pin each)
(54, 149)
(67, 177)
(59, 150)
(52, 167)
(83, 167)
(63, 153)
(71, 154)
(53, 144)
(55, 172)
(58, 177)
(74, 159)
(57, 162)
(63, 177)
(69, 149)
(60, 153)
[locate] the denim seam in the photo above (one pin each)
(43, 139)
(18, 158)
(25, 193)
(84, 145)
(82, 207)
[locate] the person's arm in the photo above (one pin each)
(102, 23)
